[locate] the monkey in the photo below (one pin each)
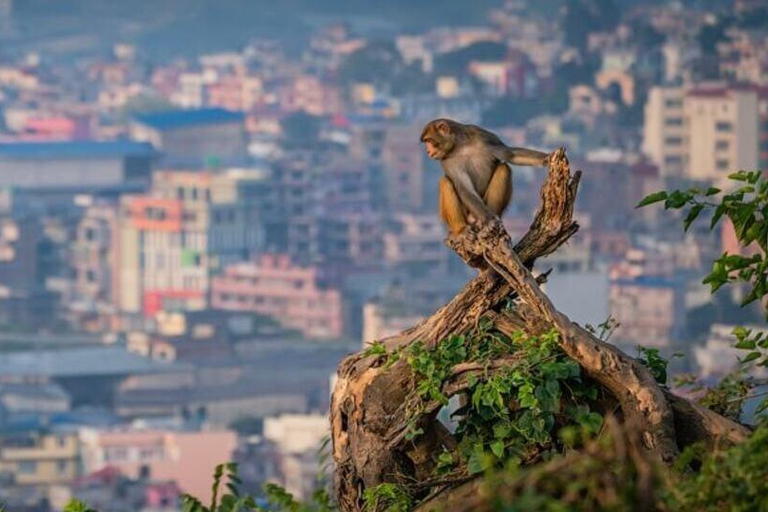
(477, 181)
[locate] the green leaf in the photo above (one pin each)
(652, 198)
(711, 191)
(692, 214)
(750, 357)
(497, 447)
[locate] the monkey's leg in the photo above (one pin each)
(451, 210)
(499, 191)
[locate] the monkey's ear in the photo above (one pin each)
(443, 128)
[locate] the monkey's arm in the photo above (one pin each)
(470, 198)
(523, 156)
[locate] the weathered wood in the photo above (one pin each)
(368, 408)
(368, 402)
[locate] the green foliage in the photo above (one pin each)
(512, 414)
(746, 206)
(74, 505)
(230, 501)
(734, 480)
(605, 329)
(656, 364)
(387, 498)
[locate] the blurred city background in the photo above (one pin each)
(205, 204)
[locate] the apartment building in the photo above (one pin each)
(275, 287)
(172, 238)
(702, 133)
(40, 460)
(194, 138)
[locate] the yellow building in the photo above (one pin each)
(40, 459)
(702, 133)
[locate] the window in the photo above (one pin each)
(673, 160)
(27, 467)
(723, 165)
(674, 121)
(722, 145)
(673, 103)
(62, 466)
(673, 141)
(724, 127)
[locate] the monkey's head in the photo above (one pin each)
(439, 136)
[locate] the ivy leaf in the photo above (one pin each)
(497, 447)
(475, 463)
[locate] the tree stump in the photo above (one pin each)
(368, 413)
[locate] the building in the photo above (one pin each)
(701, 133)
(297, 439)
(210, 137)
(275, 287)
(75, 166)
(722, 132)
(31, 401)
(39, 460)
(650, 310)
(403, 165)
(185, 457)
(173, 238)
(415, 243)
(94, 262)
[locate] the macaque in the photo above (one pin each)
(477, 185)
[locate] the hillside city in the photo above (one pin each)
(189, 244)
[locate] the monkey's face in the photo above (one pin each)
(438, 139)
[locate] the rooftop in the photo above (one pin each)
(79, 362)
(173, 119)
(74, 149)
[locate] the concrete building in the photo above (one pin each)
(94, 262)
(209, 137)
(185, 457)
(403, 165)
(275, 287)
(174, 237)
(722, 132)
(75, 166)
(415, 243)
(39, 460)
(650, 309)
(702, 133)
(297, 439)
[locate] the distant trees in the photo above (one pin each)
(583, 17)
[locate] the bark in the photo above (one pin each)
(368, 407)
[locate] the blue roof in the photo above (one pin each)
(182, 118)
(75, 149)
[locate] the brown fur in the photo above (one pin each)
(478, 182)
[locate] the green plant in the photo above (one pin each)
(387, 498)
(509, 414)
(74, 505)
(656, 364)
(746, 206)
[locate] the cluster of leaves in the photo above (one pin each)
(746, 206)
(733, 479)
(510, 414)
(387, 497)
(74, 505)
